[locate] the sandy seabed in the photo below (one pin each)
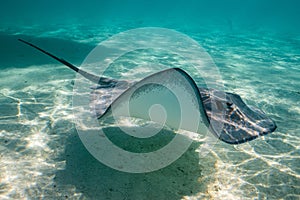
(41, 155)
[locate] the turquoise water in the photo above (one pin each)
(255, 45)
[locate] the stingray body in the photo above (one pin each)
(223, 114)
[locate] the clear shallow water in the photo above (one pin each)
(42, 156)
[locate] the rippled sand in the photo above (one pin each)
(41, 154)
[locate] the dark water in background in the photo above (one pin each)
(278, 15)
(255, 44)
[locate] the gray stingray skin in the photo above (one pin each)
(232, 121)
(241, 123)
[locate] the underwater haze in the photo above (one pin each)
(249, 14)
(255, 45)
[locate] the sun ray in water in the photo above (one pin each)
(38, 145)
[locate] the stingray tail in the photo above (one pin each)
(87, 75)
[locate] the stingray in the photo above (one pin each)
(224, 114)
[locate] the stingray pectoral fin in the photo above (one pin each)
(239, 122)
(169, 97)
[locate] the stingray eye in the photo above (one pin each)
(229, 104)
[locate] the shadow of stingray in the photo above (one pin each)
(15, 54)
(90, 177)
(95, 180)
